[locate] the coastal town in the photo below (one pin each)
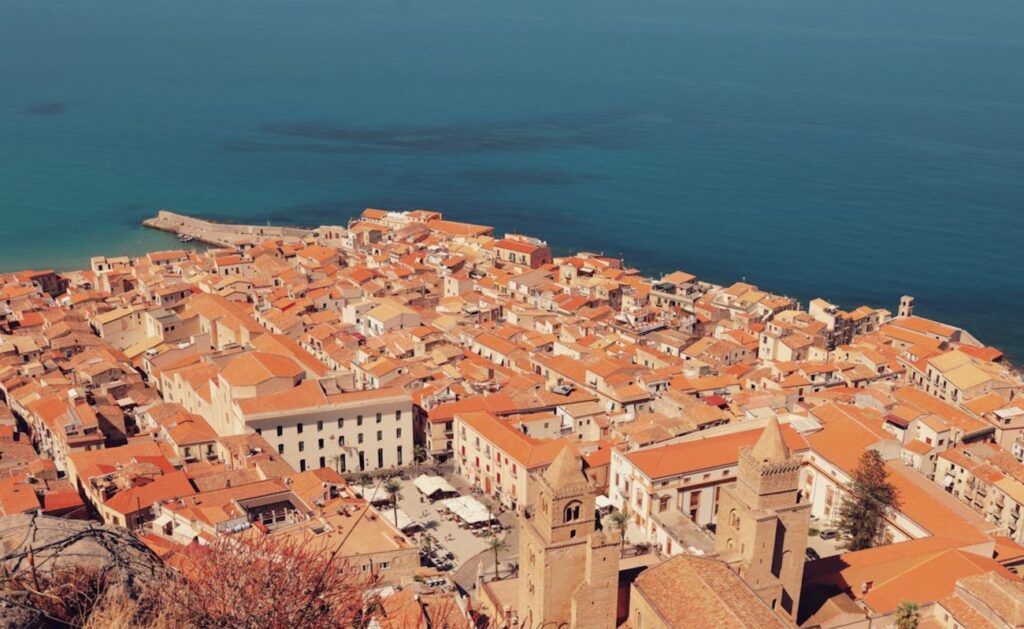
(501, 437)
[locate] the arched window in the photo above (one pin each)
(734, 519)
(572, 512)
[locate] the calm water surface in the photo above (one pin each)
(854, 150)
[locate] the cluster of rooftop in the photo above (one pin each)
(188, 395)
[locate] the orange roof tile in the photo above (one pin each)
(527, 451)
(705, 453)
(923, 570)
(252, 368)
(165, 487)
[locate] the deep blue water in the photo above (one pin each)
(853, 150)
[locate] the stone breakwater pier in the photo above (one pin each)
(220, 234)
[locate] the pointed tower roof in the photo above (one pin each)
(566, 470)
(770, 447)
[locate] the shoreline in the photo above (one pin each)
(215, 233)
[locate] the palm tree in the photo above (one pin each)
(336, 459)
(419, 455)
(394, 489)
(486, 502)
(497, 544)
(908, 615)
(620, 519)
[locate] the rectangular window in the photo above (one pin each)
(341, 440)
(398, 433)
(380, 457)
(359, 438)
(280, 448)
(380, 417)
(320, 445)
(341, 422)
(323, 461)
(302, 465)
(280, 431)
(344, 464)
(398, 416)
(298, 428)
(302, 446)
(380, 435)
(399, 455)
(359, 420)
(319, 425)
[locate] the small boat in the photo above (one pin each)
(185, 238)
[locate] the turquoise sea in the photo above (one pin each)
(853, 150)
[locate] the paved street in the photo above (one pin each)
(465, 574)
(469, 550)
(824, 548)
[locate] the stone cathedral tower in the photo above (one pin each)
(762, 524)
(568, 570)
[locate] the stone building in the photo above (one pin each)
(762, 524)
(568, 570)
(688, 591)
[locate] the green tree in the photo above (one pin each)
(620, 519)
(869, 497)
(489, 505)
(496, 544)
(419, 455)
(908, 615)
(394, 489)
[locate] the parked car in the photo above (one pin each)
(829, 534)
(812, 554)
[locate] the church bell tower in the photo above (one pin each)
(568, 570)
(762, 523)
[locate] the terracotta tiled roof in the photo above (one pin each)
(921, 570)
(252, 368)
(528, 452)
(167, 486)
(706, 453)
(690, 591)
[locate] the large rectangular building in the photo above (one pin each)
(349, 432)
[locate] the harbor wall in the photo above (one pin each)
(220, 234)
